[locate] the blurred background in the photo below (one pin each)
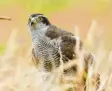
(88, 19)
(65, 14)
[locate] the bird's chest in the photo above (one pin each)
(44, 47)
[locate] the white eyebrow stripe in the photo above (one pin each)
(37, 16)
(42, 15)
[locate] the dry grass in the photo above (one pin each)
(18, 73)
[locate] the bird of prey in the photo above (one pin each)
(50, 43)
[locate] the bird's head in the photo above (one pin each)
(38, 21)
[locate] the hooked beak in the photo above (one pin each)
(33, 21)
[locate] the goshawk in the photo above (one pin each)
(50, 43)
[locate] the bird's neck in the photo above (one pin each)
(39, 32)
(42, 26)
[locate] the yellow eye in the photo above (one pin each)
(40, 19)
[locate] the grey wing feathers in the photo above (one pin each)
(54, 32)
(67, 44)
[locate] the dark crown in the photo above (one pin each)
(44, 19)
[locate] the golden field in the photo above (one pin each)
(88, 19)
